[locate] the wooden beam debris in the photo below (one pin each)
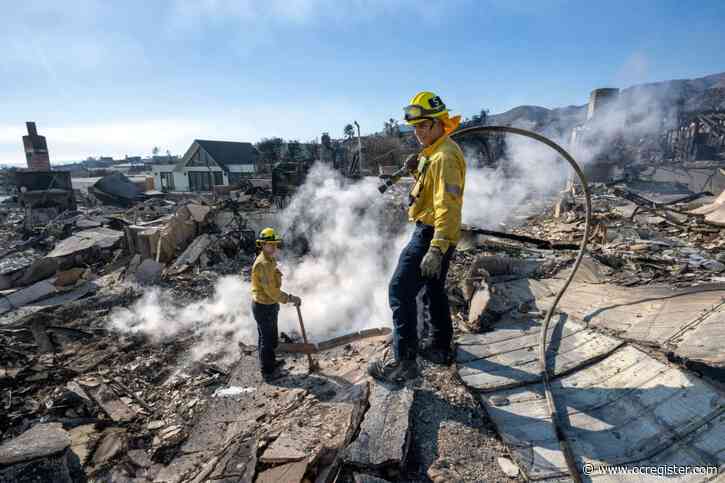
(190, 255)
(302, 348)
(663, 209)
(539, 243)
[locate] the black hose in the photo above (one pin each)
(555, 417)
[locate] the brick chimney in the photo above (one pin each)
(36, 149)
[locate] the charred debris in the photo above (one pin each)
(81, 402)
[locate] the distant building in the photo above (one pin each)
(207, 164)
(36, 149)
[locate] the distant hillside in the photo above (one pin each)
(557, 122)
(704, 93)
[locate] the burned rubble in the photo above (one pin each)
(61, 366)
(637, 332)
(128, 407)
(635, 241)
(85, 402)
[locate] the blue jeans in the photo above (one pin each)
(266, 317)
(407, 281)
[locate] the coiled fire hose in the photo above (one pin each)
(545, 373)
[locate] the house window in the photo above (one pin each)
(218, 178)
(200, 181)
(167, 181)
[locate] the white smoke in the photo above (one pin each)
(218, 322)
(531, 171)
(638, 113)
(354, 239)
(353, 248)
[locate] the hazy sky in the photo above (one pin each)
(114, 78)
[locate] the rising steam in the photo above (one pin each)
(531, 170)
(354, 238)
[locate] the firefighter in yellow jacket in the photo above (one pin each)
(266, 297)
(436, 201)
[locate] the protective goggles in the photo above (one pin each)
(415, 112)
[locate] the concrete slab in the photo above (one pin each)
(646, 314)
(704, 340)
(492, 364)
(626, 409)
(384, 436)
(688, 321)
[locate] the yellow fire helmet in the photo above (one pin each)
(424, 105)
(268, 235)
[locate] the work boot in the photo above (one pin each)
(442, 357)
(387, 369)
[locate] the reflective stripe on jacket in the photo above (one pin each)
(266, 281)
(438, 191)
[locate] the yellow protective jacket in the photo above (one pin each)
(266, 281)
(438, 192)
